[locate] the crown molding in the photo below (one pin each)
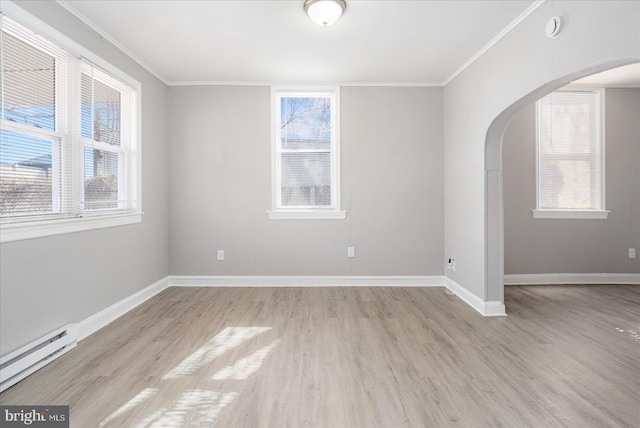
(535, 5)
(495, 40)
(267, 83)
(75, 12)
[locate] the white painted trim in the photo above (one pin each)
(572, 278)
(75, 333)
(95, 322)
(75, 12)
(495, 40)
(595, 88)
(484, 308)
(273, 83)
(571, 214)
(600, 213)
(305, 281)
(99, 320)
(42, 227)
(29, 230)
(487, 309)
(279, 212)
(23, 17)
(494, 308)
(307, 215)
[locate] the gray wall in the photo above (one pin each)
(521, 67)
(575, 246)
(220, 189)
(48, 282)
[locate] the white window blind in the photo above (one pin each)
(105, 141)
(569, 152)
(67, 149)
(305, 150)
(33, 135)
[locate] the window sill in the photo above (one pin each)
(571, 214)
(40, 229)
(306, 215)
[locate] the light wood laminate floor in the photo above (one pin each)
(566, 356)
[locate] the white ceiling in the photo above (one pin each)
(627, 76)
(395, 42)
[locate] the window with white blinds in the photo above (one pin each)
(570, 153)
(305, 151)
(68, 150)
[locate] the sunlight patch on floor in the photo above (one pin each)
(632, 333)
(198, 407)
(138, 399)
(224, 341)
(246, 366)
(195, 407)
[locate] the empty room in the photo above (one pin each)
(319, 213)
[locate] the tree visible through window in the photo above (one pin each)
(305, 138)
(306, 150)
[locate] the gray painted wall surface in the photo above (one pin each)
(220, 189)
(48, 282)
(575, 246)
(520, 64)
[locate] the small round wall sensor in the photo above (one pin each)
(554, 27)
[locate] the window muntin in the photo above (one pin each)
(104, 132)
(570, 153)
(68, 148)
(305, 150)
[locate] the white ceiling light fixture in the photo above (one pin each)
(325, 12)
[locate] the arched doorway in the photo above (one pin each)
(494, 203)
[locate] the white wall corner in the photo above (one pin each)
(487, 309)
(95, 322)
(572, 278)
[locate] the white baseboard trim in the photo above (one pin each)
(95, 322)
(305, 281)
(487, 309)
(572, 278)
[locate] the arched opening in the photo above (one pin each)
(494, 201)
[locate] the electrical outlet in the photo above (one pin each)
(632, 253)
(451, 264)
(351, 252)
(220, 254)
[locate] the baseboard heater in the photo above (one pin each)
(21, 363)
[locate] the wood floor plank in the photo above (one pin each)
(565, 356)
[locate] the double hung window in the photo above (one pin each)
(570, 154)
(69, 148)
(305, 154)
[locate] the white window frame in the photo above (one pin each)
(122, 150)
(600, 213)
(85, 220)
(279, 212)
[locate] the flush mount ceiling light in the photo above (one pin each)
(324, 12)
